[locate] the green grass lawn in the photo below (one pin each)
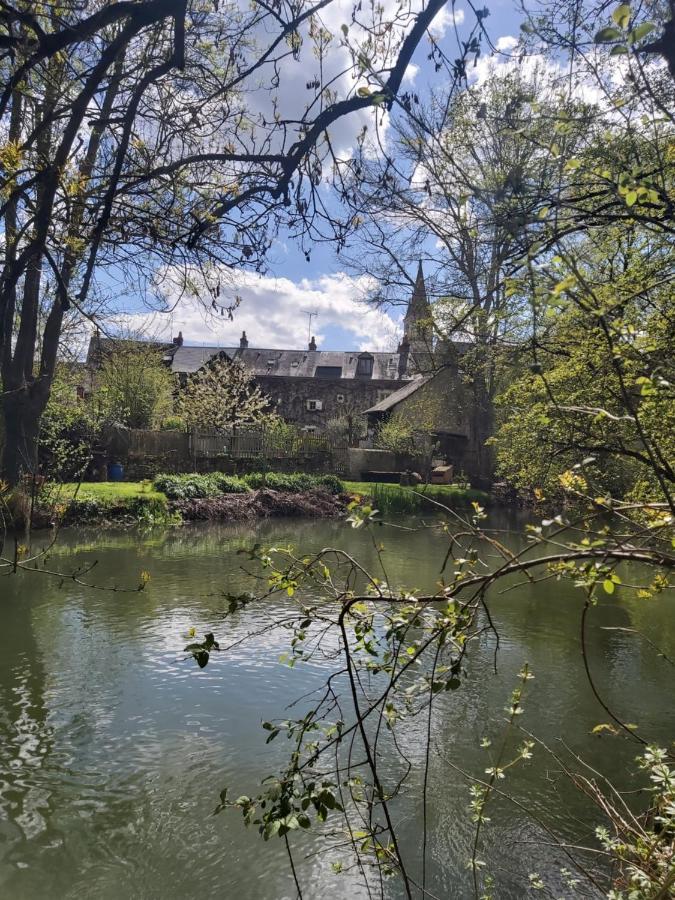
(108, 490)
(388, 498)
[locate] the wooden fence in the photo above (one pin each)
(191, 450)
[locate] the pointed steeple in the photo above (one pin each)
(417, 323)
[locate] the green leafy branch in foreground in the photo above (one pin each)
(395, 654)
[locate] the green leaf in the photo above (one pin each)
(603, 726)
(607, 35)
(608, 585)
(621, 15)
(641, 31)
(618, 50)
(631, 197)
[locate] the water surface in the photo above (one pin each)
(113, 749)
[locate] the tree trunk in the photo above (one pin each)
(483, 425)
(21, 419)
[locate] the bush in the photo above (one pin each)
(331, 483)
(173, 423)
(295, 483)
(199, 487)
(279, 481)
(230, 484)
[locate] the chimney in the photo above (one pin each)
(403, 356)
(178, 341)
(243, 341)
(312, 344)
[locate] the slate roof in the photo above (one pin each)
(186, 360)
(401, 394)
(293, 363)
(100, 346)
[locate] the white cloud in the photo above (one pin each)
(444, 20)
(410, 73)
(506, 42)
(272, 313)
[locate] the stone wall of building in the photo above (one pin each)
(292, 397)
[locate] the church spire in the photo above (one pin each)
(417, 323)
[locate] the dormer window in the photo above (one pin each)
(364, 365)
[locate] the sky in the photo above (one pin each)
(275, 306)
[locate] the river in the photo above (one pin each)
(113, 748)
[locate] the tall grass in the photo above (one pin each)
(392, 498)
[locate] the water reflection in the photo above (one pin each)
(113, 748)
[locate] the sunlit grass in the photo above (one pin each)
(107, 490)
(390, 498)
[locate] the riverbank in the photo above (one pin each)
(172, 499)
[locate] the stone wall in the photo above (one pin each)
(362, 460)
(289, 396)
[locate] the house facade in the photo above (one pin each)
(312, 388)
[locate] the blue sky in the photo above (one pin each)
(273, 311)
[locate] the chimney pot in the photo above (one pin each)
(312, 343)
(243, 341)
(178, 340)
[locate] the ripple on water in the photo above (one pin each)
(113, 746)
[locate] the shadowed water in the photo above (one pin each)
(113, 749)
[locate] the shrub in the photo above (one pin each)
(199, 487)
(173, 423)
(230, 484)
(280, 481)
(331, 483)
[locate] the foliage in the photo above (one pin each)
(107, 157)
(69, 427)
(643, 847)
(409, 437)
(223, 394)
(590, 409)
(294, 483)
(144, 509)
(194, 486)
(397, 435)
(602, 390)
(391, 499)
(133, 386)
(172, 423)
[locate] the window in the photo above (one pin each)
(314, 405)
(328, 372)
(364, 365)
(340, 398)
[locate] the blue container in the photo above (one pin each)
(115, 472)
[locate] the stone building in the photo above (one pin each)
(311, 388)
